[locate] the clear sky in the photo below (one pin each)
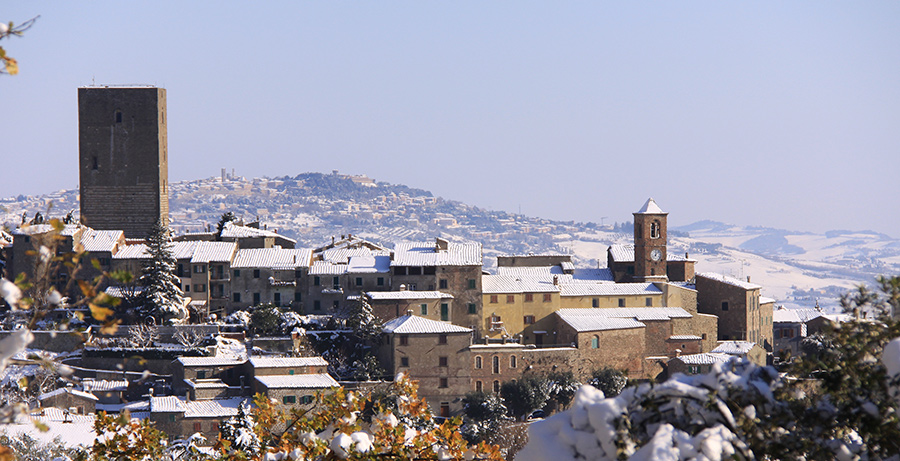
(780, 114)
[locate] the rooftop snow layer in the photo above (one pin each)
(427, 254)
(307, 381)
(386, 295)
(729, 280)
(411, 324)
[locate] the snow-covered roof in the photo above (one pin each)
(302, 381)
(102, 385)
(211, 383)
(287, 362)
(427, 254)
(135, 251)
(166, 404)
(766, 300)
(232, 230)
(369, 264)
(411, 324)
(407, 295)
(100, 240)
(650, 207)
(625, 254)
(706, 358)
(67, 390)
(275, 258)
(205, 252)
(579, 275)
(326, 268)
(516, 284)
(343, 255)
(685, 337)
(637, 313)
(734, 347)
(608, 289)
(729, 280)
(788, 315)
(582, 323)
(209, 361)
(212, 408)
(35, 229)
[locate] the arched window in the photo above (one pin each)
(478, 386)
(118, 116)
(654, 230)
(595, 342)
(512, 361)
(477, 362)
(496, 386)
(495, 364)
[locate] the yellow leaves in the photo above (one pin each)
(6, 454)
(99, 313)
(109, 328)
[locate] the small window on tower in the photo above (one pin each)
(95, 166)
(118, 116)
(654, 230)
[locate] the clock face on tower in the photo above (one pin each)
(656, 255)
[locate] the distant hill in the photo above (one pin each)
(794, 267)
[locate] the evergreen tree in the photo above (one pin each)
(226, 218)
(238, 433)
(161, 297)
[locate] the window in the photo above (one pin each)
(298, 296)
(473, 308)
(198, 269)
(654, 230)
(693, 369)
(236, 297)
(529, 297)
(119, 120)
(291, 371)
(424, 309)
(445, 312)
(496, 386)
(214, 426)
(477, 362)
(595, 342)
(495, 364)
(172, 418)
(237, 272)
(197, 427)
(289, 399)
(380, 281)
(411, 286)
(442, 362)
(472, 284)
(404, 340)
(335, 305)
(180, 271)
(703, 336)
(547, 297)
(277, 299)
(494, 299)
(316, 281)
(399, 270)
(595, 302)
(510, 299)
(512, 361)
(442, 284)
(359, 281)
(201, 374)
(255, 298)
(187, 288)
(415, 271)
(443, 384)
(317, 305)
(336, 282)
(478, 386)
(404, 361)
(95, 165)
(724, 305)
(445, 409)
(256, 273)
(621, 302)
(307, 399)
(199, 287)
(442, 339)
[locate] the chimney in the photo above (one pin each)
(349, 236)
(686, 255)
(402, 287)
(409, 312)
(748, 279)
(441, 244)
(556, 280)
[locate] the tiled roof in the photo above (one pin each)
(608, 289)
(326, 268)
(729, 280)
(707, 358)
(625, 254)
(787, 315)
(275, 258)
(411, 324)
(734, 347)
(213, 408)
(206, 383)
(232, 230)
(287, 362)
(100, 240)
(102, 385)
(407, 294)
(183, 250)
(582, 323)
(637, 313)
(343, 255)
(206, 252)
(137, 251)
(581, 275)
(684, 337)
(516, 284)
(302, 381)
(209, 361)
(426, 254)
(167, 404)
(369, 264)
(67, 390)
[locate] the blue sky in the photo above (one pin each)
(780, 114)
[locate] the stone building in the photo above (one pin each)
(269, 275)
(71, 399)
(695, 364)
(433, 305)
(123, 158)
(737, 304)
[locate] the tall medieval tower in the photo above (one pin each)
(650, 243)
(123, 158)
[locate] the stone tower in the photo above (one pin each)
(650, 243)
(123, 158)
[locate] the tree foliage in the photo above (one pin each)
(162, 298)
(9, 65)
(609, 380)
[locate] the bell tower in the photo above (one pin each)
(650, 243)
